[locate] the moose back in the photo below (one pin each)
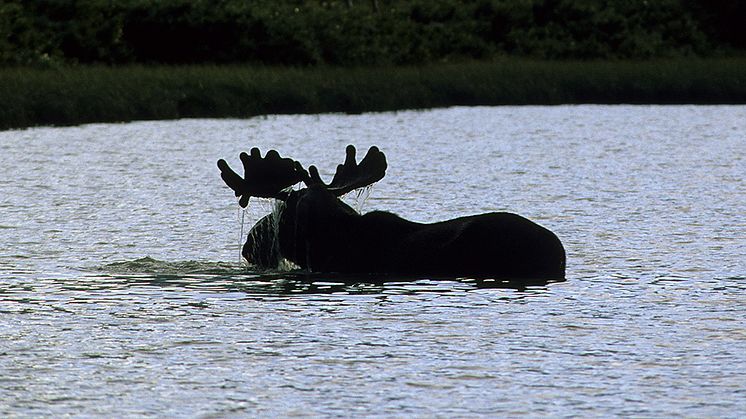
(319, 232)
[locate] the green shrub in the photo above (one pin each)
(319, 32)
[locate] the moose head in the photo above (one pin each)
(317, 231)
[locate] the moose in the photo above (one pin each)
(318, 232)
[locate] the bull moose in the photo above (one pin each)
(319, 232)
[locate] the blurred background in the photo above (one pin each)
(363, 32)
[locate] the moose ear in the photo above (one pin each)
(313, 176)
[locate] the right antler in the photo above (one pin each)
(350, 175)
(263, 177)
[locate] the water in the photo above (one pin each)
(121, 293)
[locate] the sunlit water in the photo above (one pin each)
(121, 291)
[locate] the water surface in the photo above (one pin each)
(122, 294)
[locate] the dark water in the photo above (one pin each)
(121, 291)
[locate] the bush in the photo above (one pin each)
(303, 33)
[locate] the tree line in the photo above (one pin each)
(362, 32)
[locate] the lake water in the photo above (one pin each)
(122, 293)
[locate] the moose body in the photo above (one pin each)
(317, 231)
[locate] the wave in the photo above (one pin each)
(148, 265)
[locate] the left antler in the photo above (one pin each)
(263, 177)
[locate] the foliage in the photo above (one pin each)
(382, 32)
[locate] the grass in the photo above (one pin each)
(75, 95)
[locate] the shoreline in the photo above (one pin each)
(90, 94)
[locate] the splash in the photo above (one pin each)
(148, 265)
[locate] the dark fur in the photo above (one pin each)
(319, 232)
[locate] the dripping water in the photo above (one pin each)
(268, 238)
(277, 209)
(242, 212)
(361, 198)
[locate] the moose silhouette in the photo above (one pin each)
(319, 232)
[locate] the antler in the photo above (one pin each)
(350, 175)
(263, 177)
(267, 177)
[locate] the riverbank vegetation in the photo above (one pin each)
(74, 95)
(76, 61)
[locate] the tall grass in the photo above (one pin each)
(76, 95)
